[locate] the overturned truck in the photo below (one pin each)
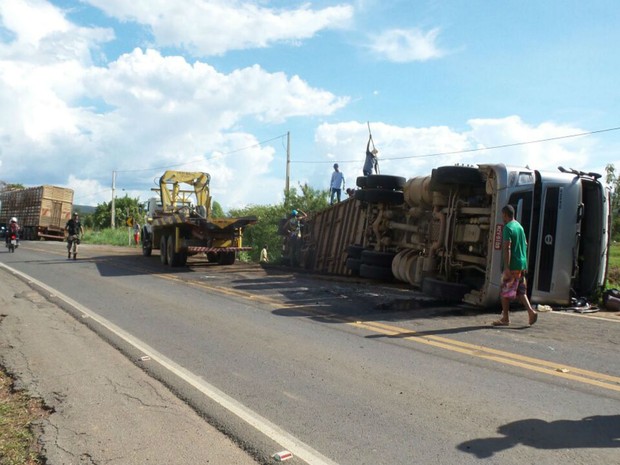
(442, 233)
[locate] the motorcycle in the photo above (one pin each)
(12, 243)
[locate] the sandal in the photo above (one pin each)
(500, 323)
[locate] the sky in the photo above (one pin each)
(96, 94)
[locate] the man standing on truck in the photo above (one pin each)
(371, 161)
(336, 185)
(515, 265)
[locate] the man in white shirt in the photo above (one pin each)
(336, 185)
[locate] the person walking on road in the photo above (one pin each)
(74, 232)
(336, 185)
(264, 258)
(514, 284)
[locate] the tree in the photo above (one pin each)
(614, 183)
(265, 231)
(4, 186)
(125, 207)
(216, 210)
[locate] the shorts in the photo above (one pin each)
(513, 284)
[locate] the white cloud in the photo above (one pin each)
(406, 45)
(409, 151)
(214, 27)
(68, 122)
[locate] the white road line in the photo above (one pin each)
(586, 315)
(271, 430)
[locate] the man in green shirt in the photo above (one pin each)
(514, 248)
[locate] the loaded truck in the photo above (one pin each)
(442, 233)
(42, 212)
(180, 223)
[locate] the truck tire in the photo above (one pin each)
(163, 255)
(376, 272)
(355, 251)
(383, 259)
(360, 195)
(147, 244)
(361, 181)
(446, 176)
(443, 290)
(384, 181)
(175, 259)
(354, 265)
(384, 196)
(226, 258)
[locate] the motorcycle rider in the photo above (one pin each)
(74, 231)
(12, 229)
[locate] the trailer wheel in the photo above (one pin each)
(354, 265)
(163, 256)
(384, 196)
(384, 181)
(376, 272)
(383, 259)
(355, 251)
(360, 195)
(447, 291)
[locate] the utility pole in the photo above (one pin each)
(113, 212)
(287, 185)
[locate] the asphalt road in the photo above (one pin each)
(347, 371)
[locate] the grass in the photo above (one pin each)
(18, 444)
(120, 237)
(613, 274)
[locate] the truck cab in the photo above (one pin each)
(447, 236)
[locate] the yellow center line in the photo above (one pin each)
(500, 356)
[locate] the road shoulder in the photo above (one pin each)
(104, 408)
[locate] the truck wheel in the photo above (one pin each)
(384, 196)
(445, 176)
(382, 259)
(163, 256)
(376, 272)
(226, 258)
(174, 258)
(384, 181)
(449, 292)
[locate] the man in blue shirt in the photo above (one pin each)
(336, 185)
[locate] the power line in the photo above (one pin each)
(258, 144)
(456, 152)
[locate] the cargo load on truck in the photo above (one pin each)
(42, 212)
(180, 223)
(442, 233)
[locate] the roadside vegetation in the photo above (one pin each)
(18, 443)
